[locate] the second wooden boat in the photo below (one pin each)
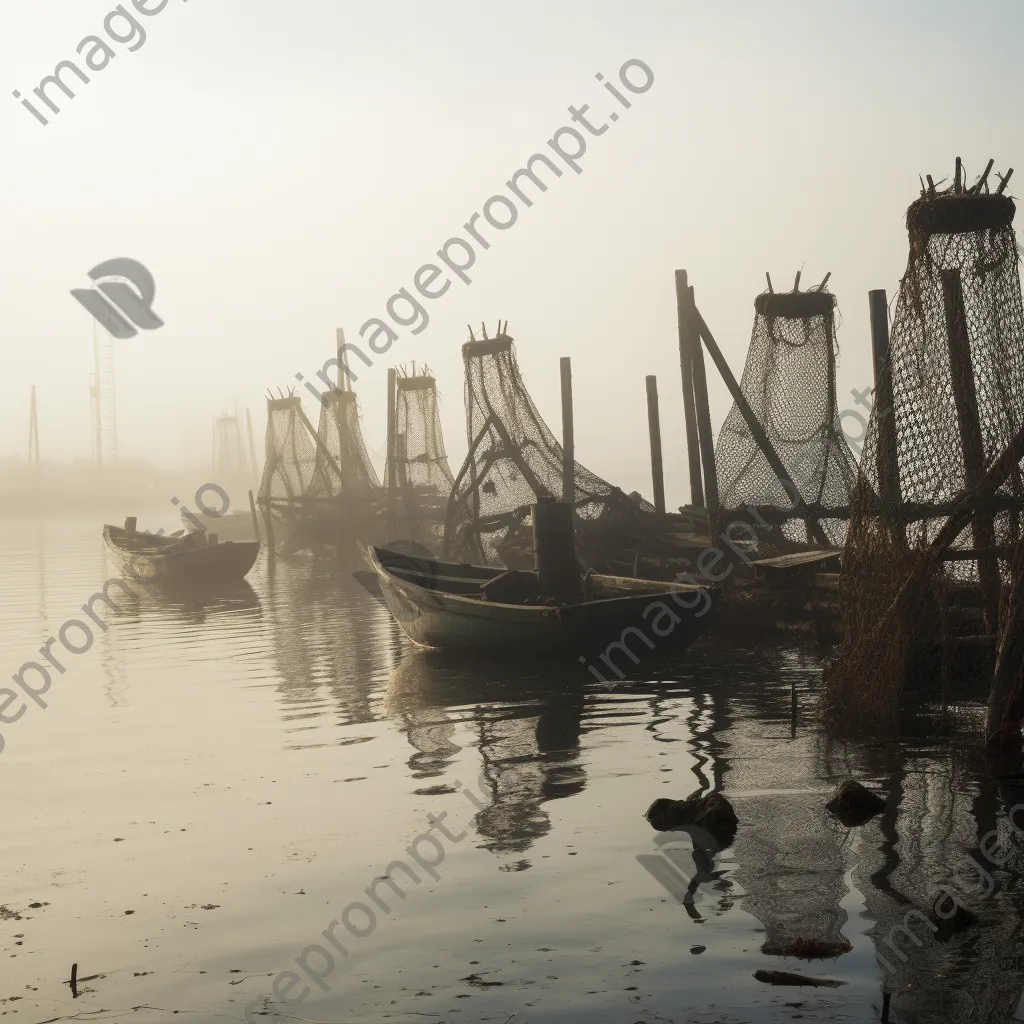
(460, 607)
(152, 556)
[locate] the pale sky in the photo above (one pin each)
(283, 169)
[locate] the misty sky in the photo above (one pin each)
(283, 169)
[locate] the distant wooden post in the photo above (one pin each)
(568, 441)
(887, 458)
(33, 440)
(961, 370)
(339, 336)
(687, 335)
(654, 429)
(255, 517)
(268, 526)
(392, 449)
(700, 395)
(253, 464)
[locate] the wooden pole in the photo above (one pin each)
(887, 458)
(268, 526)
(654, 429)
(253, 464)
(392, 449)
(568, 440)
(255, 517)
(965, 397)
(756, 430)
(320, 446)
(33, 439)
(686, 346)
(700, 395)
(339, 336)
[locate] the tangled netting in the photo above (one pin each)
(956, 377)
(789, 380)
(423, 478)
(343, 469)
(322, 492)
(513, 461)
(290, 453)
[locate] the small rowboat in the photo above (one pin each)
(194, 556)
(461, 607)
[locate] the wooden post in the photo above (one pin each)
(568, 441)
(686, 347)
(965, 397)
(886, 455)
(268, 527)
(700, 395)
(654, 429)
(392, 449)
(33, 440)
(320, 446)
(339, 335)
(253, 464)
(255, 517)
(757, 431)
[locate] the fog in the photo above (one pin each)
(283, 170)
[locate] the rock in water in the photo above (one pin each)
(712, 812)
(853, 805)
(785, 978)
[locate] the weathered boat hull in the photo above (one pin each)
(178, 561)
(438, 605)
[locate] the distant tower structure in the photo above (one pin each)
(228, 452)
(102, 399)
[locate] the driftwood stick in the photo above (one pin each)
(1004, 181)
(74, 981)
(983, 180)
(769, 279)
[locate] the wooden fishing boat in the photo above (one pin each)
(179, 558)
(461, 607)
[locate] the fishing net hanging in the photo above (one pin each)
(290, 451)
(789, 380)
(513, 461)
(422, 476)
(343, 469)
(956, 376)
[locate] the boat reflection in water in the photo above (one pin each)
(527, 724)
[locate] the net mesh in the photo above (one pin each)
(956, 376)
(789, 381)
(343, 468)
(423, 478)
(290, 453)
(513, 461)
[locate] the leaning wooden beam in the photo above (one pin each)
(320, 446)
(700, 395)
(654, 430)
(755, 428)
(689, 406)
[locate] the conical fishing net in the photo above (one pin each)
(789, 380)
(956, 376)
(513, 461)
(343, 469)
(423, 479)
(291, 453)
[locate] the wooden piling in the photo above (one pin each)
(887, 458)
(253, 465)
(686, 346)
(392, 450)
(268, 528)
(961, 369)
(700, 396)
(654, 430)
(255, 517)
(568, 439)
(33, 441)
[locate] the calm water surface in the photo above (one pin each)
(221, 777)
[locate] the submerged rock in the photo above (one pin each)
(785, 978)
(712, 812)
(853, 805)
